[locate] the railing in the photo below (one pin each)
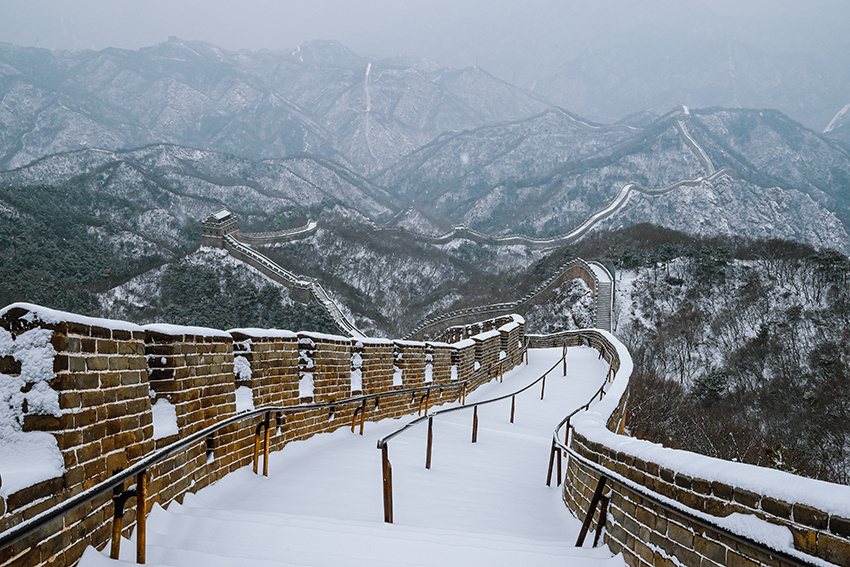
(139, 470)
(383, 444)
(560, 448)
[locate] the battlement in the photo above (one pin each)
(107, 393)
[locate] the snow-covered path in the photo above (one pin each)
(480, 504)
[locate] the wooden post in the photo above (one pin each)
(430, 442)
(565, 358)
(257, 447)
(513, 407)
(118, 500)
(266, 444)
(551, 463)
(141, 515)
(362, 417)
(475, 424)
(594, 502)
(558, 456)
(543, 387)
(387, 476)
(603, 513)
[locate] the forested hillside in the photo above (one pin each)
(740, 348)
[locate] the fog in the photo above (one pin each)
(532, 43)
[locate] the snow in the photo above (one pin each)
(486, 335)
(178, 330)
(834, 499)
(465, 343)
(264, 333)
(164, 419)
(600, 272)
(480, 504)
(356, 376)
(305, 385)
(244, 399)
(54, 317)
(241, 368)
(836, 119)
(33, 456)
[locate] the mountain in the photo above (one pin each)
(112, 158)
(545, 175)
(321, 99)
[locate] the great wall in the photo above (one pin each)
(95, 389)
(663, 506)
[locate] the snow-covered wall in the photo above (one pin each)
(674, 507)
(104, 394)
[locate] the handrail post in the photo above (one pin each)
(475, 424)
(513, 407)
(430, 442)
(267, 422)
(257, 447)
(387, 476)
(119, 499)
(594, 502)
(362, 417)
(543, 387)
(551, 462)
(565, 358)
(141, 515)
(603, 513)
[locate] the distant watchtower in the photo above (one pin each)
(216, 227)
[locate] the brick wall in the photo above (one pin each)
(685, 531)
(108, 374)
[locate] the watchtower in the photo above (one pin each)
(216, 227)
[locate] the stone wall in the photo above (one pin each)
(108, 375)
(671, 507)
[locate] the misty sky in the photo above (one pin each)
(452, 32)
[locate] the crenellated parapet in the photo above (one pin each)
(91, 397)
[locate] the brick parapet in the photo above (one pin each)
(107, 377)
(649, 534)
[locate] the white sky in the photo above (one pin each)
(453, 32)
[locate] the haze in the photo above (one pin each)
(526, 42)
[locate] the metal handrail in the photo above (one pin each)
(703, 522)
(382, 444)
(20, 531)
(604, 473)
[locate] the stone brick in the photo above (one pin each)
(805, 540)
(839, 526)
(712, 550)
(833, 549)
(810, 516)
(721, 490)
(701, 486)
(776, 507)
(680, 535)
(745, 497)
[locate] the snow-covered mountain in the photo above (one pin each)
(114, 157)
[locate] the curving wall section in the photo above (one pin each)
(672, 507)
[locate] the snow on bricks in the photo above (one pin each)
(699, 504)
(87, 388)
